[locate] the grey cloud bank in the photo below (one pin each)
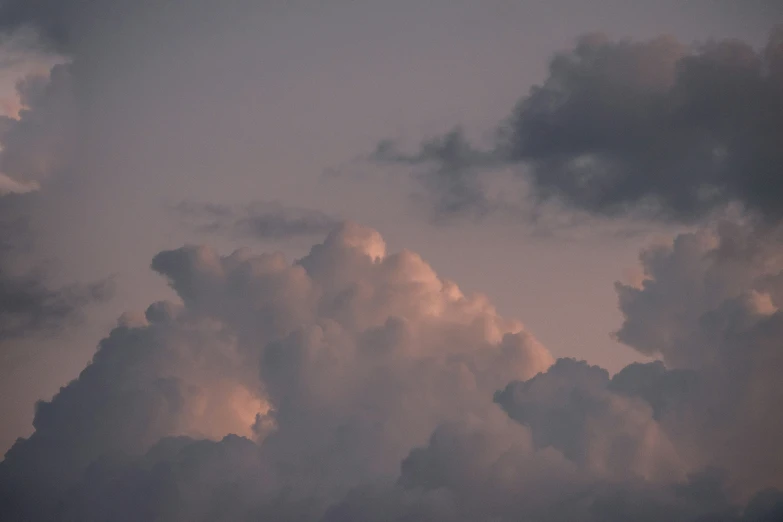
(644, 128)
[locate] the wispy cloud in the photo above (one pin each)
(259, 220)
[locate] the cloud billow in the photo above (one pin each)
(652, 128)
(356, 384)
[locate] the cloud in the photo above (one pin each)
(589, 448)
(488, 472)
(450, 172)
(39, 144)
(47, 17)
(572, 409)
(30, 305)
(704, 283)
(261, 220)
(35, 150)
(336, 366)
(709, 303)
(356, 384)
(56, 22)
(11, 186)
(652, 128)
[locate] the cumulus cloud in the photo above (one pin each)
(709, 303)
(262, 220)
(336, 365)
(572, 409)
(465, 474)
(356, 384)
(652, 128)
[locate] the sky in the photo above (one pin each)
(442, 260)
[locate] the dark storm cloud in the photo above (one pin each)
(622, 127)
(261, 220)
